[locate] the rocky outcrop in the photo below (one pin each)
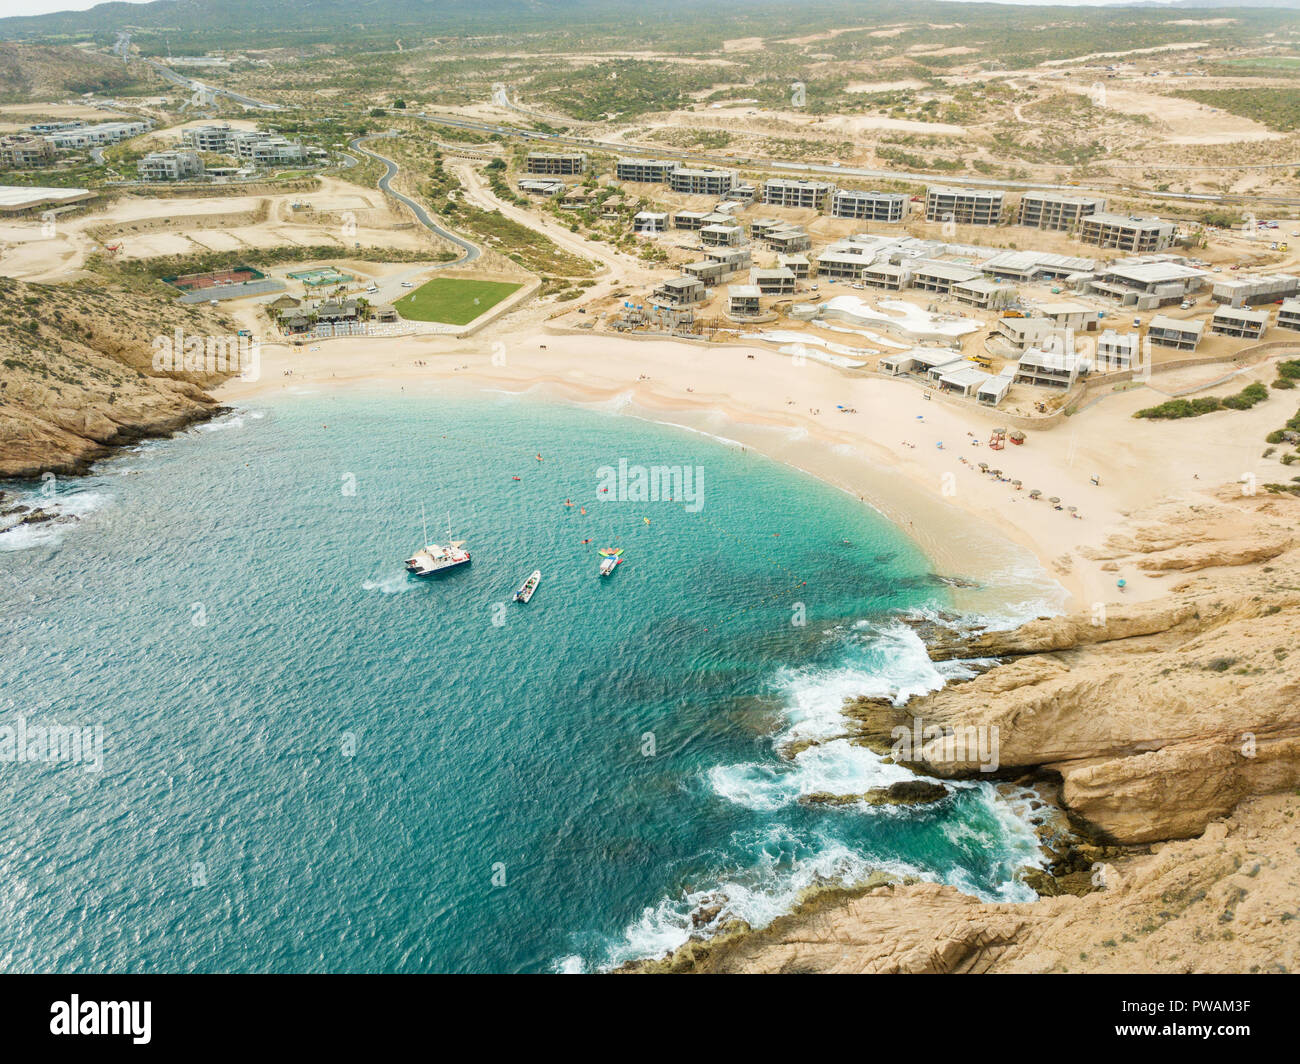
(76, 374)
(1225, 902)
(1158, 718)
(1172, 720)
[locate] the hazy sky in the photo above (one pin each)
(40, 7)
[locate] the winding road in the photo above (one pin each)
(470, 251)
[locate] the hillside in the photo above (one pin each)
(43, 72)
(77, 375)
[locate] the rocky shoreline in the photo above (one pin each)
(1119, 730)
(78, 382)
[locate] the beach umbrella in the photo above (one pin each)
(1000, 432)
(1016, 484)
(1053, 500)
(996, 472)
(1072, 509)
(984, 467)
(1121, 582)
(1035, 493)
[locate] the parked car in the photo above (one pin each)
(1137, 323)
(408, 284)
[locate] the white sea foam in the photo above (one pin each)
(886, 660)
(393, 584)
(83, 505)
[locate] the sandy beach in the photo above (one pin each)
(884, 448)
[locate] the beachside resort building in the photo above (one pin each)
(964, 206)
(744, 301)
(888, 207)
(174, 164)
(645, 171)
(696, 181)
(1173, 332)
(785, 192)
(1055, 368)
(556, 164)
(1022, 333)
(1288, 315)
(680, 291)
(1127, 232)
(1056, 211)
(1239, 323)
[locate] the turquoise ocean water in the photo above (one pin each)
(313, 763)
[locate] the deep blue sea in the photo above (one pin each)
(312, 762)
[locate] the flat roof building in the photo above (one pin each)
(697, 181)
(556, 164)
(1127, 232)
(1117, 351)
(649, 222)
(218, 138)
(964, 206)
(645, 171)
(174, 165)
(964, 380)
(1239, 323)
(796, 264)
(1024, 333)
(720, 235)
(1034, 265)
(777, 282)
(1145, 285)
(787, 239)
(1255, 288)
(931, 276)
(1048, 369)
(982, 293)
(96, 135)
(744, 301)
(887, 207)
(786, 192)
(1288, 314)
(710, 271)
(1054, 210)
(680, 291)
(24, 152)
(1171, 332)
(541, 186)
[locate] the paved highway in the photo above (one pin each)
(192, 84)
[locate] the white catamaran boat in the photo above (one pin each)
(437, 558)
(610, 558)
(527, 588)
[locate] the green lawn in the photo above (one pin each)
(452, 300)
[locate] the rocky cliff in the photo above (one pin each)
(76, 373)
(1151, 722)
